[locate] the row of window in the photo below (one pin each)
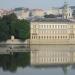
(51, 26)
(52, 31)
(52, 37)
(53, 54)
(43, 60)
(49, 37)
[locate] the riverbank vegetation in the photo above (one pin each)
(10, 25)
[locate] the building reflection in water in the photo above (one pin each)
(52, 54)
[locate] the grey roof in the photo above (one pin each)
(72, 7)
(52, 20)
(20, 8)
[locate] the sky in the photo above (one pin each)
(34, 3)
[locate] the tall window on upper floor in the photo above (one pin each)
(55, 26)
(53, 31)
(34, 31)
(69, 14)
(41, 26)
(47, 26)
(50, 26)
(61, 26)
(58, 26)
(34, 26)
(44, 26)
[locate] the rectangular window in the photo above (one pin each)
(50, 26)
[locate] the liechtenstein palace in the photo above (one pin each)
(54, 30)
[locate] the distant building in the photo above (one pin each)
(73, 11)
(38, 12)
(67, 11)
(3, 12)
(22, 13)
(54, 11)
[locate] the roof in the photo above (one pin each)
(52, 20)
(72, 7)
(20, 8)
(37, 10)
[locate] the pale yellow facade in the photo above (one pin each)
(52, 32)
(38, 12)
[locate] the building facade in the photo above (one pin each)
(54, 11)
(67, 11)
(38, 12)
(4, 12)
(22, 13)
(52, 31)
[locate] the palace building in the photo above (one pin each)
(53, 30)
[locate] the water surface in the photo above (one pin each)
(19, 63)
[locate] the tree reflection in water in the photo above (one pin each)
(12, 62)
(65, 70)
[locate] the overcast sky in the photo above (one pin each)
(33, 3)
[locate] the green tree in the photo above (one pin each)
(22, 29)
(4, 31)
(10, 25)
